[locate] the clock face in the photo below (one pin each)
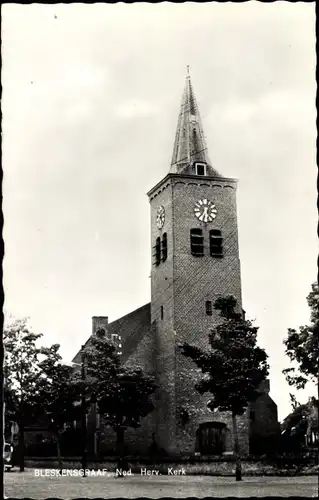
(205, 210)
(160, 217)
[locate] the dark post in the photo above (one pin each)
(84, 429)
(236, 449)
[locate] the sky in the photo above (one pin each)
(91, 95)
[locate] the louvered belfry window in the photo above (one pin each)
(158, 251)
(215, 243)
(164, 247)
(197, 242)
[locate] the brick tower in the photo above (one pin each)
(195, 259)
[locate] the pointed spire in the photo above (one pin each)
(190, 143)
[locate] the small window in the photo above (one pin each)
(200, 168)
(162, 312)
(197, 242)
(164, 247)
(215, 243)
(158, 251)
(209, 309)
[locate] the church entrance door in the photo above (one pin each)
(211, 438)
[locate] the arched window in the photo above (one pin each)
(164, 247)
(215, 243)
(158, 251)
(197, 242)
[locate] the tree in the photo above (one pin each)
(233, 367)
(128, 403)
(302, 347)
(298, 423)
(57, 393)
(21, 371)
(123, 395)
(294, 427)
(37, 384)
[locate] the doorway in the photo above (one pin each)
(211, 438)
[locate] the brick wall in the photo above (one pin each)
(162, 295)
(138, 440)
(182, 285)
(264, 429)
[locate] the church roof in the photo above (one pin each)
(131, 328)
(190, 143)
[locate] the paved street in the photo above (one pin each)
(26, 484)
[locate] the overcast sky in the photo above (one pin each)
(91, 96)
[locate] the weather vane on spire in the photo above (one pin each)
(187, 69)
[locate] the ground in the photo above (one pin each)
(28, 485)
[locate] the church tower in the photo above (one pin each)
(195, 260)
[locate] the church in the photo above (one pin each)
(195, 260)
